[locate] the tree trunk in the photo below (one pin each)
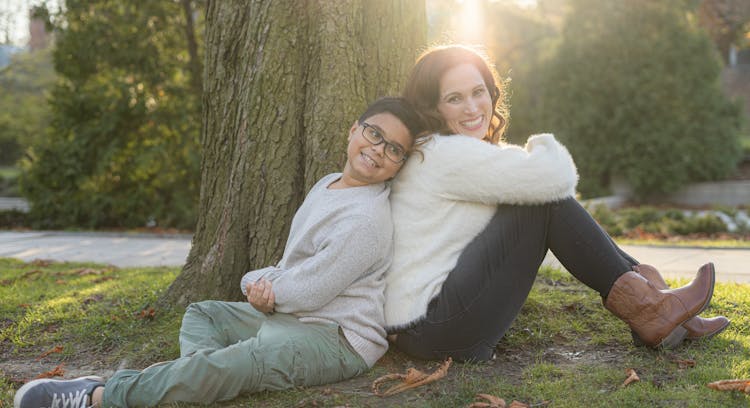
(284, 81)
(194, 63)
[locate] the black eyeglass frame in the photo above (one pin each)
(381, 139)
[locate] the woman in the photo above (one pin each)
(474, 219)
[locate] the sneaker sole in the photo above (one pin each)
(26, 387)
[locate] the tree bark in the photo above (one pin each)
(196, 70)
(284, 81)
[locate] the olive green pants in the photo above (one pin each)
(229, 348)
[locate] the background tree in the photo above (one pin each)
(634, 91)
(122, 148)
(284, 81)
(521, 40)
(726, 21)
(24, 114)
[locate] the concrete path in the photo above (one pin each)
(732, 265)
(122, 250)
(126, 250)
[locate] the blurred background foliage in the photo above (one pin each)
(121, 146)
(632, 87)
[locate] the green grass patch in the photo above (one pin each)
(699, 243)
(564, 350)
(86, 309)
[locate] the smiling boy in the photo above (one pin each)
(314, 318)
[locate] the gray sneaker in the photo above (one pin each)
(46, 393)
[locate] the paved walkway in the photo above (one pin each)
(123, 250)
(126, 250)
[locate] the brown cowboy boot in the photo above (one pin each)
(657, 315)
(697, 327)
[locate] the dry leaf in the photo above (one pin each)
(492, 402)
(632, 377)
(57, 349)
(684, 363)
(42, 263)
(518, 404)
(55, 372)
(148, 314)
(24, 305)
(731, 385)
(412, 379)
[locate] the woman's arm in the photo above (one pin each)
(466, 169)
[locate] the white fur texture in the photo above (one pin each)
(441, 203)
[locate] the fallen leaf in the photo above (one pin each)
(60, 282)
(24, 305)
(42, 263)
(57, 349)
(148, 314)
(684, 363)
(58, 371)
(412, 379)
(103, 279)
(731, 385)
(632, 377)
(492, 402)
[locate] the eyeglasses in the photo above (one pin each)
(393, 152)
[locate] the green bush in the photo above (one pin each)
(122, 149)
(660, 222)
(608, 220)
(634, 91)
(702, 224)
(13, 219)
(8, 186)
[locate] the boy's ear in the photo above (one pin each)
(352, 130)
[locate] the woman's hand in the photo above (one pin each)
(260, 295)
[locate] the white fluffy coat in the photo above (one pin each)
(441, 203)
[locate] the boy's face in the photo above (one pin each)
(367, 163)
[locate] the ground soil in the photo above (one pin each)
(509, 364)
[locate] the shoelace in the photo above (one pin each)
(69, 401)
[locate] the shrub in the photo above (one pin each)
(122, 149)
(634, 91)
(660, 222)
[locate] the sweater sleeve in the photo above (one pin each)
(342, 258)
(269, 272)
(467, 169)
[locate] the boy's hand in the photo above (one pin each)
(260, 295)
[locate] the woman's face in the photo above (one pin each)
(465, 102)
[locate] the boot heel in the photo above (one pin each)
(674, 338)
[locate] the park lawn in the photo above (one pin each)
(693, 243)
(564, 350)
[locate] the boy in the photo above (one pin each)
(315, 318)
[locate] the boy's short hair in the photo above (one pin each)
(399, 108)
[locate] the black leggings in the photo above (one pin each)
(492, 278)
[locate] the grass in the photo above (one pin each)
(695, 243)
(564, 350)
